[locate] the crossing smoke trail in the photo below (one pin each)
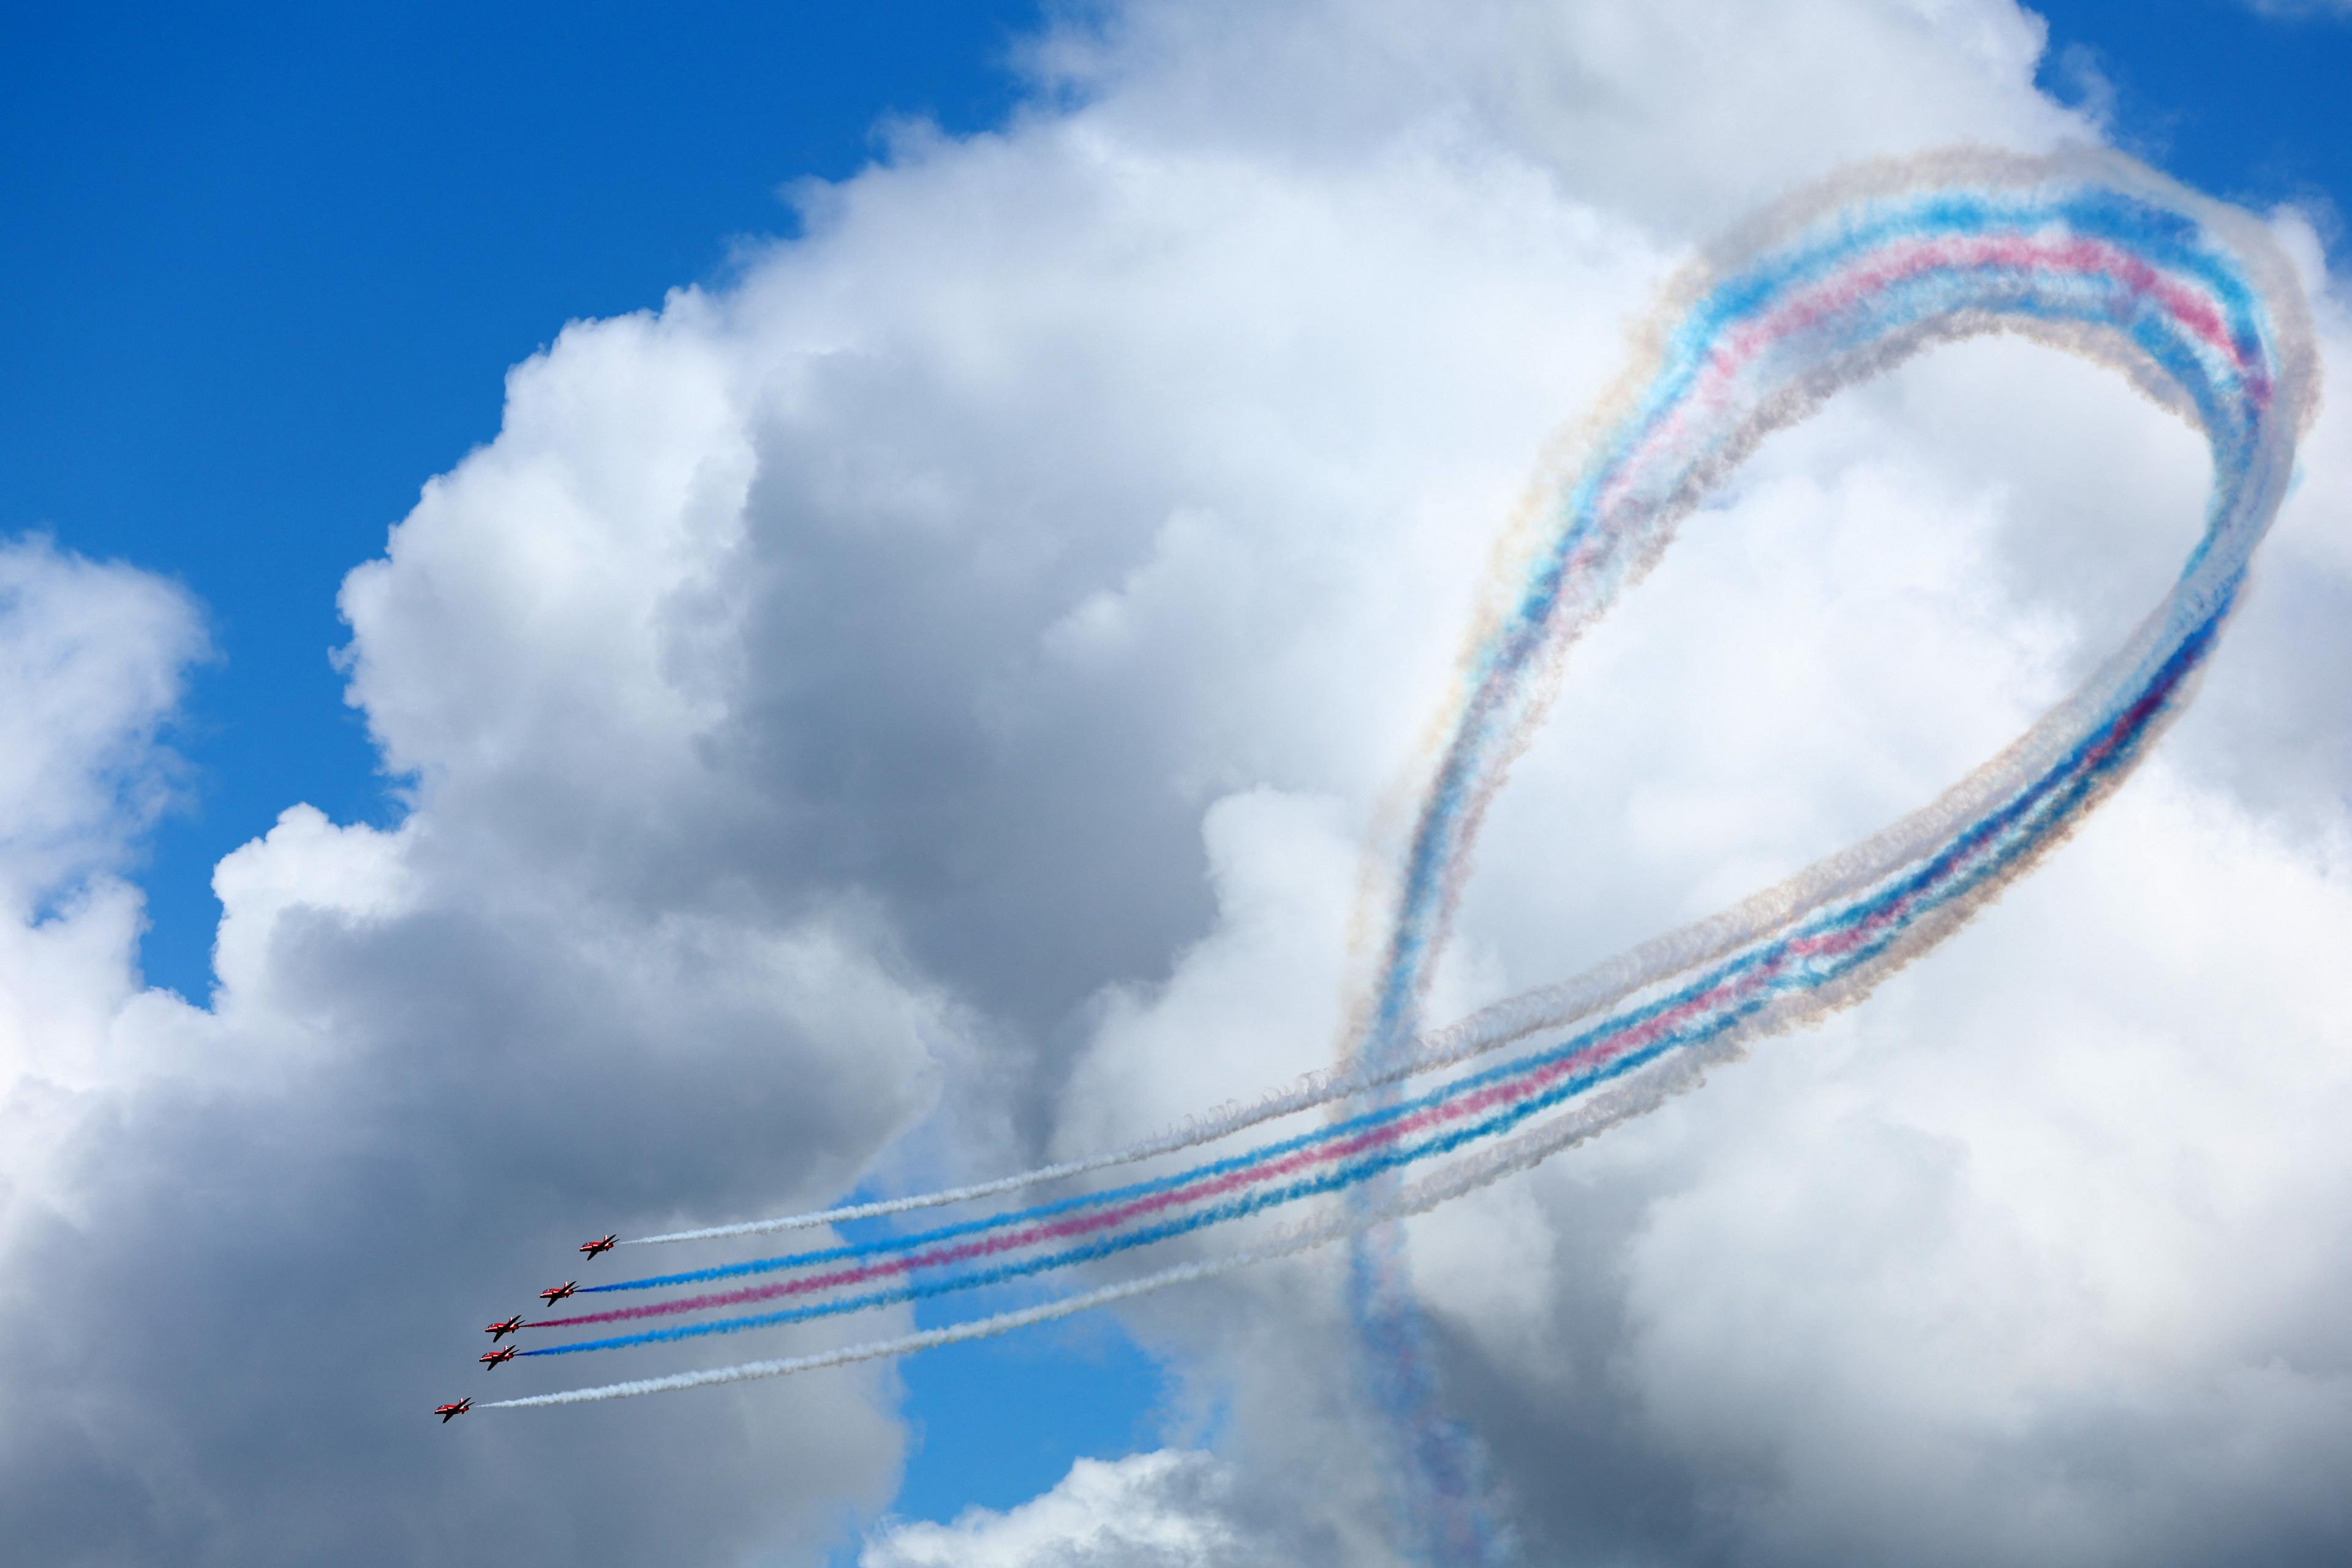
(1630, 1039)
(1469, 1110)
(1711, 1014)
(1474, 1036)
(1501, 1024)
(1763, 984)
(2085, 251)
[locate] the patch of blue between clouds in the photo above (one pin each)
(2232, 101)
(265, 266)
(996, 1422)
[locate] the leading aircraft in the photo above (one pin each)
(593, 1247)
(557, 1292)
(446, 1411)
(500, 1330)
(496, 1358)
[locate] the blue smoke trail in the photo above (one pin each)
(1840, 292)
(2084, 251)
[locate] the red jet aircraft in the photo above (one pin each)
(593, 1247)
(556, 1293)
(496, 1358)
(446, 1411)
(500, 1330)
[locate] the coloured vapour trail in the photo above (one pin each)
(2089, 254)
(2086, 252)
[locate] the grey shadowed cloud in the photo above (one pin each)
(921, 706)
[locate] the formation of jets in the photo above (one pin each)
(499, 1331)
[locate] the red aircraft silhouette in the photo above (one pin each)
(496, 1358)
(593, 1247)
(500, 1330)
(557, 1293)
(446, 1411)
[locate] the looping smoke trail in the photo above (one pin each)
(2085, 251)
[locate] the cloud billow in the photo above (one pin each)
(919, 706)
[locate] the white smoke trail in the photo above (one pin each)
(1489, 1029)
(1905, 842)
(1590, 995)
(1621, 1102)
(1635, 519)
(1583, 1120)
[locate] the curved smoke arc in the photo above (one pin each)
(2085, 250)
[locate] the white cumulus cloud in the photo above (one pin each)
(1165, 1510)
(921, 704)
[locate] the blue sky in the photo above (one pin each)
(266, 273)
(265, 268)
(269, 267)
(2229, 101)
